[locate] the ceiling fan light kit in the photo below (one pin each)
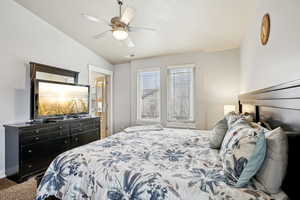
(120, 33)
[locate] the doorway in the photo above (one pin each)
(101, 98)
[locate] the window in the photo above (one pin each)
(148, 95)
(181, 94)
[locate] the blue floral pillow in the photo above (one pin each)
(244, 157)
(237, 129)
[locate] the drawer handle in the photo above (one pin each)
(37, 131)
(66, 141)
(29, 166)
(29, 151)
(60, 127)
(37, 138)
(76, 139)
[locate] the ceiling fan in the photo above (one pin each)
(120, 25)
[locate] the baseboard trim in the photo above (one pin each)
(11, 171)
(2, 174)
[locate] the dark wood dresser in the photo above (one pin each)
(30, 148)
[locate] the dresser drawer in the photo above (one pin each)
(44, 130)
(81, 126)
(44, 150)
(97, 122)
(43, 137)
(85, 138)
(34, 166)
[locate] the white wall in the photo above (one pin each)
(23, 38)
(278, 61)
(217, 84)
(122, 96)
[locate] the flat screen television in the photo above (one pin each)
(54, 99)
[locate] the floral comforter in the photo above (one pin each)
(172, 164)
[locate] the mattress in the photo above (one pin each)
(171, 164)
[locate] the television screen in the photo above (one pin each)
(62, 99)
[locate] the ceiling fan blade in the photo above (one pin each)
(137, 29)
(95, 19)
(90, 18)
(100, 35)
(105, 22)
(129, 43)
(128, 15)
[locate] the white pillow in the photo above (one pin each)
(132, 129)
(278, 196)
(274, 167)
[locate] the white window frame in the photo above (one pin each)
(188, 123)
(138, 96)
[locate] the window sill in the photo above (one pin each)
(147, 122)
(189, 125)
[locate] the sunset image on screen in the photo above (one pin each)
(59, 99)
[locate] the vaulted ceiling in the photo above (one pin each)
(182, 25)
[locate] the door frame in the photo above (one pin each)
(93, 68)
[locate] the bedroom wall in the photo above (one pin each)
(217, 84)
(24, 37)
(279, 60)
(122, 96)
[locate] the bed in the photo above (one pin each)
(157, 165)
(172, 164)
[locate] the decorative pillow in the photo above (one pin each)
(274, 167)
(231, 118)
(249, 117)
(217, 134)
(257, 126)
(281, 195)
(255, 162)
(239, 128)
(155, 127)
(237, 157)
(265, 125)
